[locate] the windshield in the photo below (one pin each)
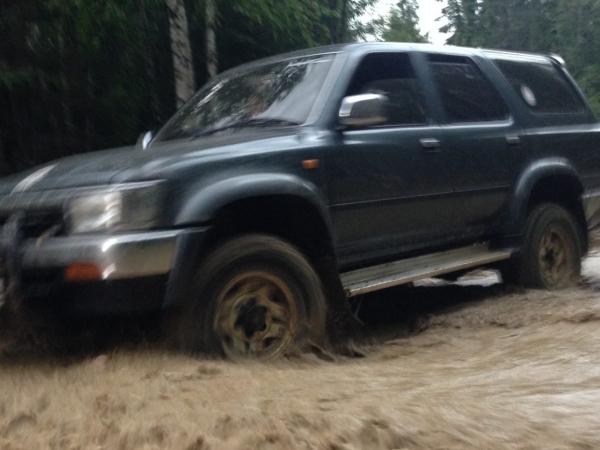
(280, 93)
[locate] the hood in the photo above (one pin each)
(133, 164)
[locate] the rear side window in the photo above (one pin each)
(392, 75)
(466, 95)
(541, 85)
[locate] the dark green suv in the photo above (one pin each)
(287, 185)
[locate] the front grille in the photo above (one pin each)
(43, 211)
(36, 223)
(39, 222)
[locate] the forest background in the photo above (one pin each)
(82, 75)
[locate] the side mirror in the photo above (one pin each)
(363, 110)
(144, 140)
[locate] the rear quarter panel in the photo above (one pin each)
(578, 144)
(557, 144)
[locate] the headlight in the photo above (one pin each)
(132, 206)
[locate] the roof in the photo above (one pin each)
(390, 46)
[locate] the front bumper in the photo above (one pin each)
(116, 257)
(136, 272)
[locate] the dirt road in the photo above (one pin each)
(454, 367)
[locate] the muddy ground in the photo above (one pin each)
(471, 366)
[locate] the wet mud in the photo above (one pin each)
(469, 365)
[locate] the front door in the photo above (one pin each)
(390, 186)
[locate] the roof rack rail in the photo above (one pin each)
(559, 59)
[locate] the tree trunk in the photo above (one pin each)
(65, 94)
(149, 63)
(211, 41)
(344, 21)
(334, 23)
(89, 132)
(181, 50)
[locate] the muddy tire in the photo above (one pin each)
(253, 297)
(550, 256)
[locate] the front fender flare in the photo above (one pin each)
(202, 205)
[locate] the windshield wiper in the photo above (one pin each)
(254, 122)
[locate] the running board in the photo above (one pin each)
(412, 269)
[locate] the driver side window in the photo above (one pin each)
(392, 75)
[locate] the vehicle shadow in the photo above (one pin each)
(405, 310)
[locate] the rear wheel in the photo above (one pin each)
(254, 297)
(550, 256)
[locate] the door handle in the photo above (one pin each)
(513, 141)
(430, 144)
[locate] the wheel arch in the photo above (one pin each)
(291, 217)
(548, 180)
(224, 206)
(282, 205)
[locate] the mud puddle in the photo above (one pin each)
(473, 365)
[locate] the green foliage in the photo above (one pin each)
(73, 76)
(80, 75)
(462, 17)
(402, 24)
(299, 21)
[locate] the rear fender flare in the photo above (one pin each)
(532, 175)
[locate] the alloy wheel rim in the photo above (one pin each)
(256, 316)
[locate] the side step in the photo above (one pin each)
(412, 269)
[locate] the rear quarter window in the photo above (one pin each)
(541, 85)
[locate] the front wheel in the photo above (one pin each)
(550, 256)
(254, 297)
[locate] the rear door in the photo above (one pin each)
(487, 148)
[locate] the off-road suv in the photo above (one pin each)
(287, 185)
